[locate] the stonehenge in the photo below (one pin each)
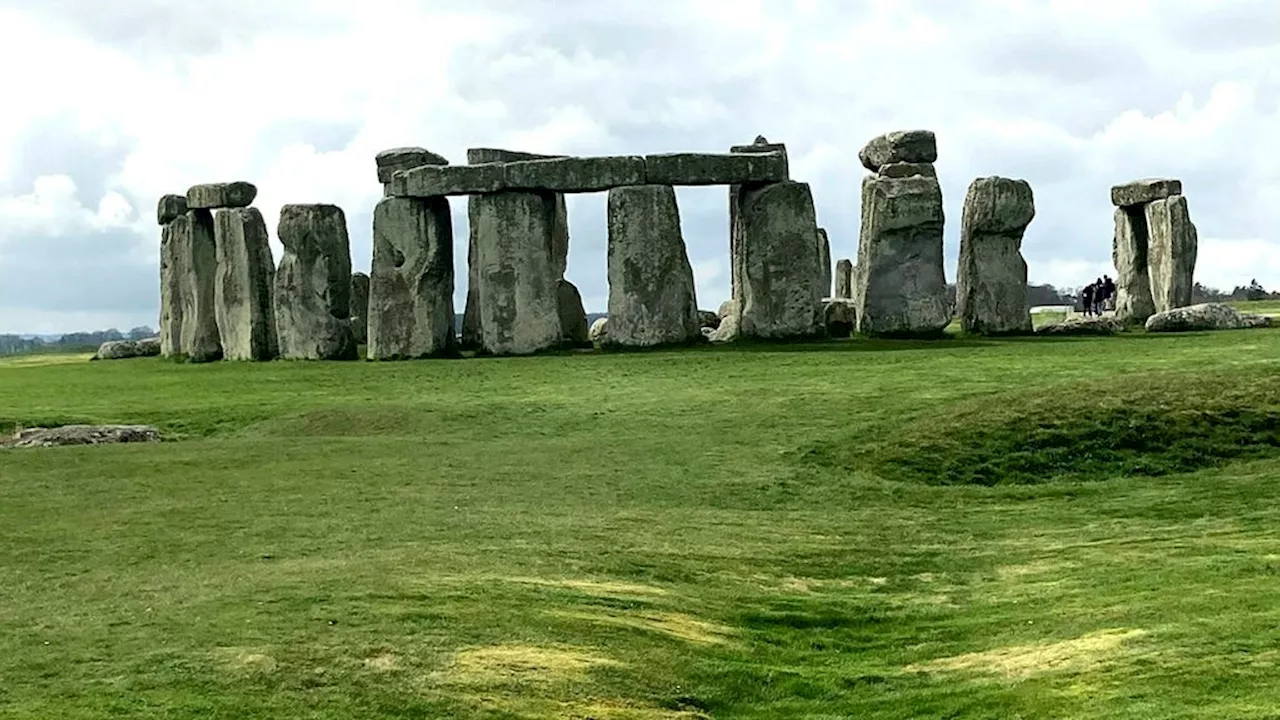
(360, 307)
(779, 293)
(824, 255)
(844, 279)
(312, 292)
(1154, 248)
(243, 283)
(411, 280)
(991, 280)
(188, 263)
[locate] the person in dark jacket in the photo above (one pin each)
(1086, 299)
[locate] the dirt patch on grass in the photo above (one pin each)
(676, 625)
(595, 587)
(522, 664)
(1023, 661)
(384, 662)
(245, 661)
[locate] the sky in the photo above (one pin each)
(109, 105)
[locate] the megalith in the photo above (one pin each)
(844, 279)
(389, 162)
(573, 316)
(242, 293)
(169, 209)
(779, 285)
(516, 283)
(759, 145)
(991, 282)
(1172, 242)
(652, 301)
(900, 287)
(1154, 250)
(1134, 301)
(313, 284)
(824, 254)
(411, 280)
(195, 253)
(360, 307)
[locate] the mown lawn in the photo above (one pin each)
(770, 532)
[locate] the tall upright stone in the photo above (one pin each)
(991, 282)
(824, 254)
(1172, 242)
(169, 209)
(411, 280)
(652, 301)
(759, 145)
(779, 285)
(1154, 250)
(313, 284)
(1134, 302)
(573, 316)
(844, 279)
(195, 252)
(516, 282)
(242, 293)
(360, 307)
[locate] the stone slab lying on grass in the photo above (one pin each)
(82, 435)
(1083, 326)
(124, 349)
(1206, 316)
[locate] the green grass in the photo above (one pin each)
(758, 532)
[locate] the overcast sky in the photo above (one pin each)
(108, 105)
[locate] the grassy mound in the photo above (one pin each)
(1145, 425)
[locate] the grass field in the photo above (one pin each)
(1017, 528)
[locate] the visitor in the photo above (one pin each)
(1110, 288)
(1086, 299)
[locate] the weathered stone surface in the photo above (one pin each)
(1172, 243)
(360, 308)
(171, 286)
(124, 349)
(715, 168)
(477, 156)
(1206, 316)
(844, 279)
(213, 196)
(651, 292)
(170, 208)
(516, 281)
(899, 146)
(991, 281)
(1129, 256)
(824, 254)
(708, 319)
(81, 435)
(411, 280)
(904, 169)
(760, 145)
(729, 328)
(196, 265)
(840, 317)
(779, 288)
(599, 332)
(243, 287)
(573, 317)
(899, 284)
(1081, 325)
(576, 174)
(437, 180)
(391, 161)
(313, 284)
(1140, 192)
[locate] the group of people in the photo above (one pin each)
(1099, 296)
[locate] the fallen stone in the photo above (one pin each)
(844, 279)
(901, 170)
(517, 287)
(81, 435)
(729, 329)
(1134, 302)
(1205, 316)
(599, 332)
(899, 284)
(391, 161)
(214, 196)
(1080, 325)
(899, 146)
(313, 284)
(360, 308)
(651, 293)
(148, 347)
(170, 208)
(576, 174)
(1171, 252)
(991, 280)
(715, 168)
(440, 180)
(1140, 192)
(242, 290)
(573, 317)
(125, 349)
(196, 264)
(824, 255)
(411, 280)
(780, 295)
(841, 317)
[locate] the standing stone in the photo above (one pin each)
(411, 280)
(780, 293)
(171, 286)
(651, 293)
(242, 293)
(824, 254)
(991, 283)
(196, 264)
(517, 288)
(573, 316)
(170, 208)
(313, 284)
(1171, 252)
(1129, 255)
(759, 145)
(844, 279)
(360, 308)
(901, 288)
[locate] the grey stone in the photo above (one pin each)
(899, 146)
(148, 347)
(651, 293)
(438, 180)
(991, 281)
(576, 174)
(1129, 256)
(900, 286)
(517, 291)
(599, 332)
(360, 308)
(844, 279)
(1080, 325)
(760, 145)
(477, 156)
(313, 284)
(125, 349)
(1140, 192)
(1206, 316)
(171, 284)
(824, 254)
(81, 435)
(1171, 252)
(573, 317)
(472, 334)
(214, 196)
(780, 296)
(729, 329)
(840, 317)
(411, 280)
(196, 263)
(708, 319)
(391, 161)
(903, 169)
(243, 287)
(170, 208)
(715, 168)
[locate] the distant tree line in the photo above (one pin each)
(71, 342)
